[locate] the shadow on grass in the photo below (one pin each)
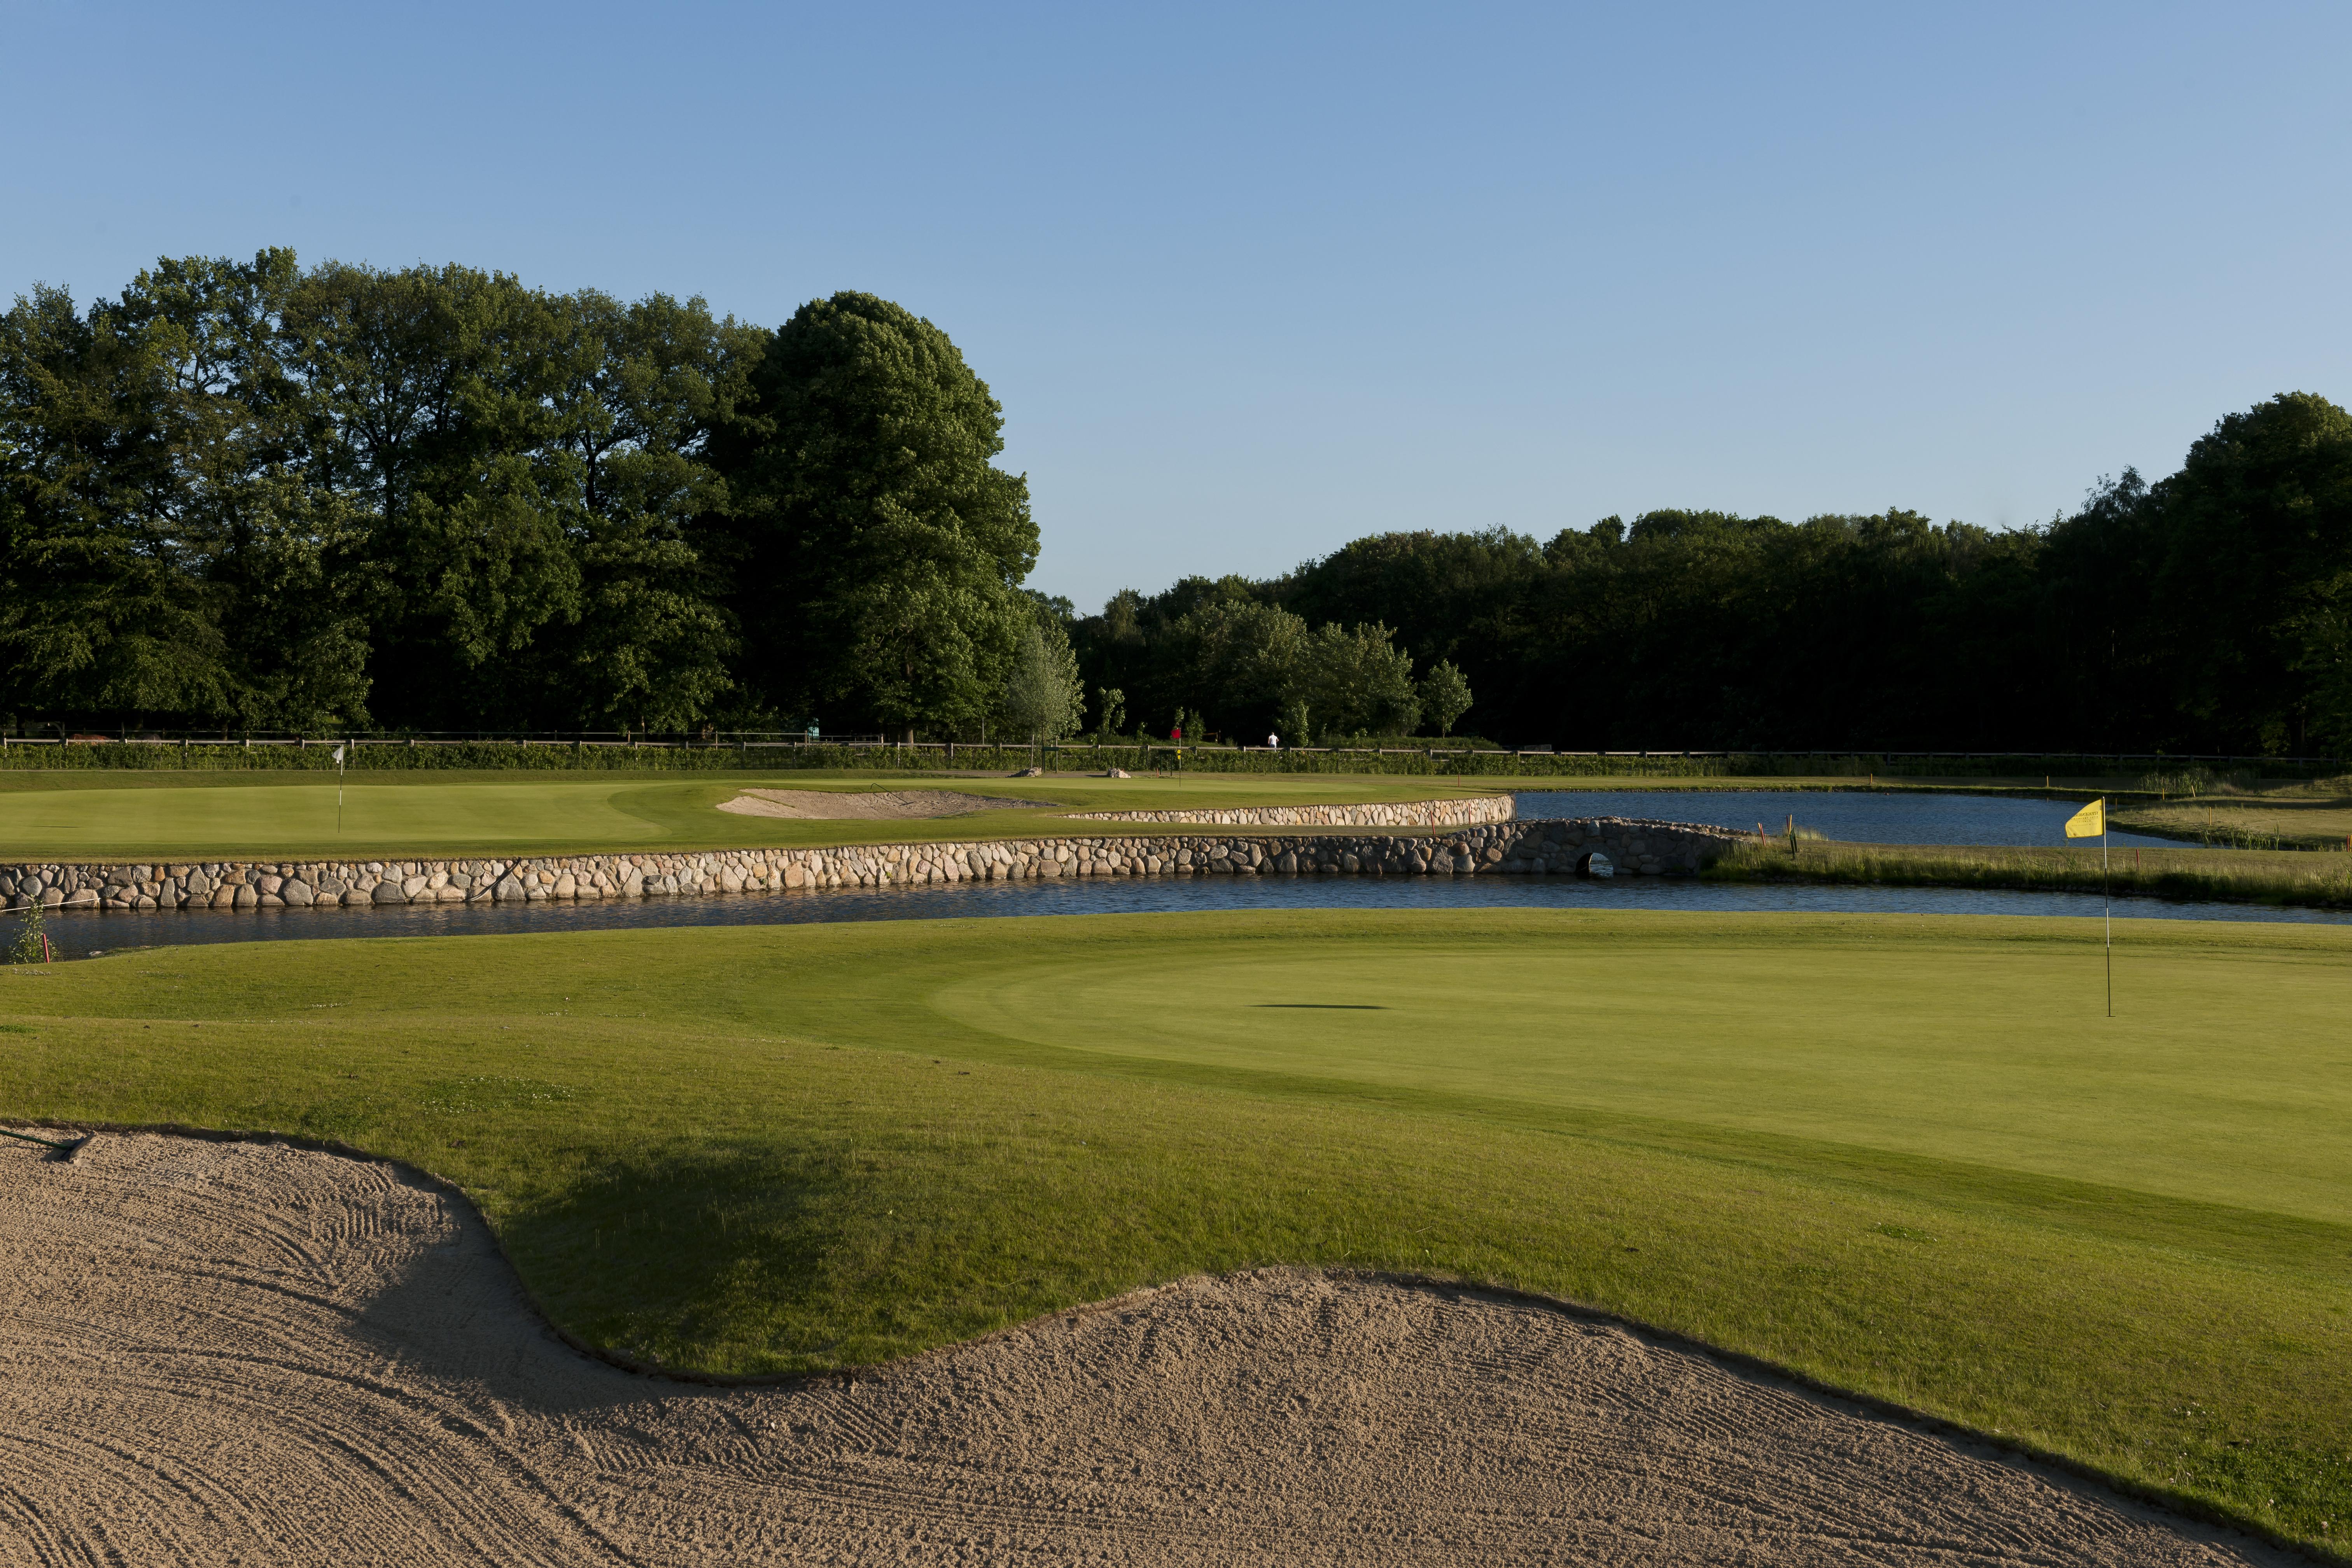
(681, 1252)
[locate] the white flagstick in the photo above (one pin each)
(339, 792)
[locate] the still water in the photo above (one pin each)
(81, 933)
(1856, 816)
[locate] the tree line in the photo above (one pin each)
(2208, 612)
(251, 494)
(434, 499)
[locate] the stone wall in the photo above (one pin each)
(1462, 813)
(1505, 848)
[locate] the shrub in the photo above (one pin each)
(29, 947)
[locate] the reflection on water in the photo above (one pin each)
(1854, 816)
(82, 932)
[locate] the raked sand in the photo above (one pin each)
(217, 1353)
(874, 805)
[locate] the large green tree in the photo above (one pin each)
(171, 554)
(2249, 603)
(879, 551)
(275, 544)
(432, 497)
(105, 609)
(640, 389)
(441, 382)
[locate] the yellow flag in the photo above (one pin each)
(2090, 822)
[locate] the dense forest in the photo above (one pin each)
(434, 498)
(247, 495)
(2210, 611)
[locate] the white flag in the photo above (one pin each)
(339, 756)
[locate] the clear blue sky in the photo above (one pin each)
(1255, 280)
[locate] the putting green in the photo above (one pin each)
(1995, 1054)
(1908, 1156)
(200, 817)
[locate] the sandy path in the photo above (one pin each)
(216, 1353)
(872, 805)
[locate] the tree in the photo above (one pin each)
(271, 543)
(1237, 659)
(1459, 598)
(1296, 722)
(1043, 697)
(2256, 529)
(2322, 635)
(106, 609)
(642, 388)
(1444, 695)
(878, 552)
(1358, 682)
(440, 384)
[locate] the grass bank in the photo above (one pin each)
(2267, 821)
(2244, 876)
(1904, 1156)
(207, 817)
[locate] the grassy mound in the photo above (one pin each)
(1906, 1156)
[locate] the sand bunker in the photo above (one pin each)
(214, 1353)
(817, 805)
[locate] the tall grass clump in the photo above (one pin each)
(2243, 876)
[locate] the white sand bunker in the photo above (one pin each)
(876, 805)
(214, 1353)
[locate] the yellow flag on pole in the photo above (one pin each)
(2090, 821)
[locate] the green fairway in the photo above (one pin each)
(201, 817)
(1906, 1156)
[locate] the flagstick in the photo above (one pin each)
(2081, 826)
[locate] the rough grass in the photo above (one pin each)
(2273, 822)
(1905, 1156)
(206, 817)
(2247, 876)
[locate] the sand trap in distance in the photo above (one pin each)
(880, 805)
(216, 1352)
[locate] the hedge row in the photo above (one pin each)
(532, 756)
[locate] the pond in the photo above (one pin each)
(82, 933)
(1856, 816)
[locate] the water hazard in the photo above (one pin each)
(81, 933)
(1854, 816)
